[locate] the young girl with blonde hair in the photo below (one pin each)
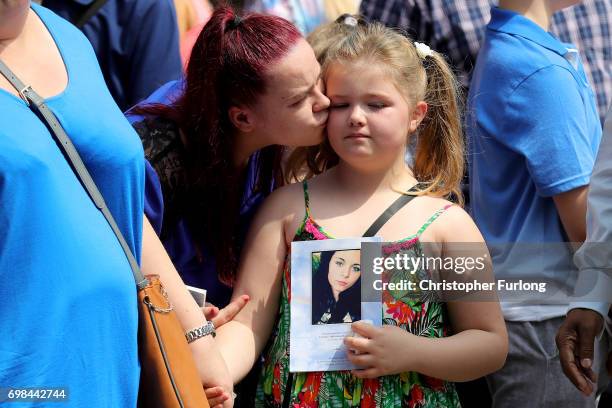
(383, 90)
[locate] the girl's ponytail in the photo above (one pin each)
(439, 155)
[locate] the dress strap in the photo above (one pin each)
(433, 218)
(390, 212)
(306, 198)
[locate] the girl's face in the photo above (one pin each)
(344, 270)
(369, 120)
(293, 109)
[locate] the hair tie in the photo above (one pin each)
(423, 50)
(235, 22)
(349, 20)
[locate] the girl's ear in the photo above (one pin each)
(242, 118)
(417, 116)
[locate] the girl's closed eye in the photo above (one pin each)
(377, 105)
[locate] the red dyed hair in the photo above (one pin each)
(227, 68)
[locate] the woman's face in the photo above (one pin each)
(344, 270)
(293, 110)
(13, 14)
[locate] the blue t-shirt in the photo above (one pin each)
(197, 266)
(67, 296)
(136, 42)
(533, 132)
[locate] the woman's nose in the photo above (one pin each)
(321, 103)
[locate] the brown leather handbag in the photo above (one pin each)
(168, 378)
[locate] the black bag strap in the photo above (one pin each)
(38, 105)
(390, 212)
(88, 13)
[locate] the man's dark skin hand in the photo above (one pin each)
(576, 342)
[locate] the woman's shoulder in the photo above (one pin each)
(59, 27)
(159, 137)
(164, 150)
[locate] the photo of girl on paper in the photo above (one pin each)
(336, 287)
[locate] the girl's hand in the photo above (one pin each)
(217, 396)
(380, 351)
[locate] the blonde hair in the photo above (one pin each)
(439, 153)
(325, 36)
(304, 162)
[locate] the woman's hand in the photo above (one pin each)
(207, 357)
(218, 397)
(380, 350)
(213, 371)
(220, 317)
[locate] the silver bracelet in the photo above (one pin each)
(193, 335)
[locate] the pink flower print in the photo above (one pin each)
(398, 246)
(309, 227)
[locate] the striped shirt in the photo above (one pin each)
(456, 28)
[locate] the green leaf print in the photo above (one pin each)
(427, 325)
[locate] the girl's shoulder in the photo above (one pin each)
(295, 196)
(284, 204)
(435, 219)
(449, 222)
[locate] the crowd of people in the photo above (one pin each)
(295, 121)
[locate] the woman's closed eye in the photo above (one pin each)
(339, 263)
(338, 105)
(298, 102)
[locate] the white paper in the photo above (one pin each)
(320, 347)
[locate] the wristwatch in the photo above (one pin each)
(193, 335)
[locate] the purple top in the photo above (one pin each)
(195, 271)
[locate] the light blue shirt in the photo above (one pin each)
(533, 133)
(68, 313)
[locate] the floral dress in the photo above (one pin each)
(420, 315)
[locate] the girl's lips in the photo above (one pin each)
(342, 283)
(357, 136)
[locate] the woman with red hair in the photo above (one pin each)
(215, 141)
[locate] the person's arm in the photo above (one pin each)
(585, 318)
(571, 206)
(210, 365)
(479, 345)
(260, 275)
(152, 49)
